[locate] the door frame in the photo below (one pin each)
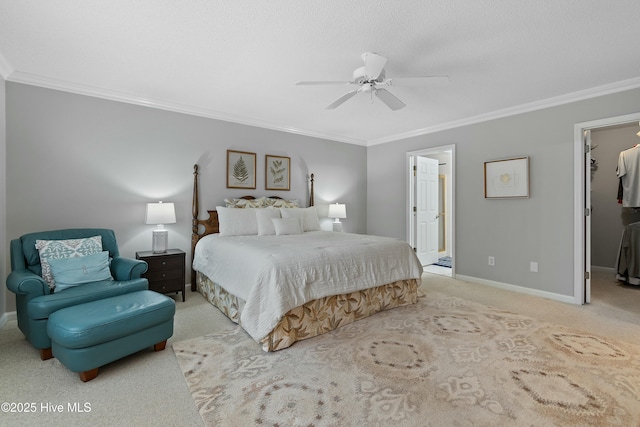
(581, 187)
(410, 192)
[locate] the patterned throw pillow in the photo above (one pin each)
(65, 249)
(244, 203)
(280, 203)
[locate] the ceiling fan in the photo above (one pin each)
(371, 77)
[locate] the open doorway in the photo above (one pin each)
(430, 208)
(584, 160)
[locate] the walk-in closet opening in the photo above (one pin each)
(611, 190)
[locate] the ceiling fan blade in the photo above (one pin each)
(426, 80)
(389, 99)
(373, 65)
(327, 82)
(338, 102)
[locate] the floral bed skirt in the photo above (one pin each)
(318, 316)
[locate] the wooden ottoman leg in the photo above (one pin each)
(89, 375)
(160, 346)
(46, 353)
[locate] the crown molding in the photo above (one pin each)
(594, 92)
(7, 72)
(49, 83)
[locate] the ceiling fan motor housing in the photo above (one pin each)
(360, 78)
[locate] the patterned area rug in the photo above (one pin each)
(445, 261)
(442, 361)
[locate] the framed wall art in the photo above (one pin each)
(277, 172)
(241, 169)
(506, 178)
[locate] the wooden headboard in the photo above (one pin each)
(210, 225)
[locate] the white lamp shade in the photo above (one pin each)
(160, 213)
(337, 210)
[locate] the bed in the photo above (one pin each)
(294, 281)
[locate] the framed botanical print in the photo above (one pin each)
(241, 169)
(277, 172)
(506, 178)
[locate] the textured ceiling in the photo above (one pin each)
(239, 60)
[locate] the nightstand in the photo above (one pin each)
(166, 270)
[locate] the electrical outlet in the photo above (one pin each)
(533, 266)
(492, 260)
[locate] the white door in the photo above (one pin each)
(426, 210)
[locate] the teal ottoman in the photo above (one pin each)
(87, 336)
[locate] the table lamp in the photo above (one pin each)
(337, 211)
(160, 214)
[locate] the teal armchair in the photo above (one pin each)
(35, 301)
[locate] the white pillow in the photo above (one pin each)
(293, 213)
(286, 226)
(237, 222)
(264, 217)
(308, 217)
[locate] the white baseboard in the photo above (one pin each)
(7, 317)
(520, 289)
(607, 269)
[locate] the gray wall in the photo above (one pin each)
(3, 177)
(515, 231)
(608, 217)
(78, 161)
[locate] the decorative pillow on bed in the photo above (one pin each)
(311, 221)
(69, 248)
(308, 217)
(285, 226)
(244, 203)
(264, 217)
(280, 203)
(70, 272)
(293, 213)
(237, 222)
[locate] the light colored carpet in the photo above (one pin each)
(442, 361)
(148, 388)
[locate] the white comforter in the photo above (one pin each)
(274, 274)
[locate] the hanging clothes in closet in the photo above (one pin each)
(628, 262)
(628, 172)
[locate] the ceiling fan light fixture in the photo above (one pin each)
(369, 79)
(367, 87)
